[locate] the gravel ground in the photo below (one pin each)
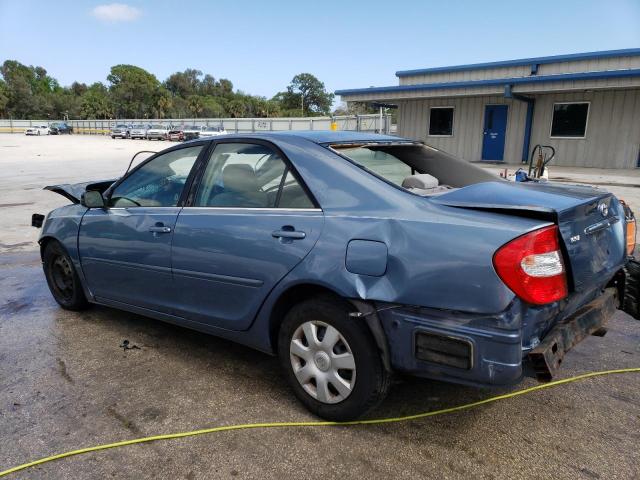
(66, 383)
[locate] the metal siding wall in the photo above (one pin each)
(613, 130)
(592, 65)
(468, 125)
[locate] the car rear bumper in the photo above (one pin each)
(484, 350)
(589, 320)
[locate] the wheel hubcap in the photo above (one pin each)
(62, 277)
(322, 362)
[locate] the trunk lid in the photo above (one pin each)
(591, 222)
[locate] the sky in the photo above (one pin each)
(261, 45)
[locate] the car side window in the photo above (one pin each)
(158, 183)
(247, 175)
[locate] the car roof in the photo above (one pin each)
(323, 136)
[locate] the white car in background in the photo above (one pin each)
(138, 131)
(158, 131)
(212, 131)
(37, 130)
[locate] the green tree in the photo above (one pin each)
(195, 105)
(209, 86)
(96, 102)
(133, 90)
(211, 107)
(20, 98)
(183, 84)
(236, 108)
(4, 98)
(225, 87)
(163, 102)
(308, 94)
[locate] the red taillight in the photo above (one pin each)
(531, 266)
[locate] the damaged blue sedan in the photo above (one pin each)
(349, 255)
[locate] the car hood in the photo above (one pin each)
(74, 191)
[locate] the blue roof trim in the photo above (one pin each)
(496, 81)
(625, 52)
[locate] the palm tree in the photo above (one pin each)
(194, 103)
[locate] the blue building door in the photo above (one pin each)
(495, 129)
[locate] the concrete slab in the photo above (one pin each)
(66, 383)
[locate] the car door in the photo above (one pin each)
(249, 221)
(125, 248)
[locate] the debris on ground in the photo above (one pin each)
(125, 345)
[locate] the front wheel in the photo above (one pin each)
(331, 360)
(62, 278)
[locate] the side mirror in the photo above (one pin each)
(92, 199)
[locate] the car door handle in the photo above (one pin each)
(291, 234)
(160, 229)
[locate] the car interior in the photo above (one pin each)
(418, 168)
(250, 177)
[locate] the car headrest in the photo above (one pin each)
(239, 178)
(423, 181)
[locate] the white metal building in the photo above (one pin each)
(586, 105)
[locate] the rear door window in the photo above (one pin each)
(244, 175)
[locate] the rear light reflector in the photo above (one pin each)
(532, 267)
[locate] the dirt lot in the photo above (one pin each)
(66, 383)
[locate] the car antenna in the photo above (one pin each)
(134, 157)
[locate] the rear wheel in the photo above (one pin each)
(62, 278)
(331, 360)
(631, 301)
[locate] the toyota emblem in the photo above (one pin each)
(603, 209)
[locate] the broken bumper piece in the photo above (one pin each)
(589, 320)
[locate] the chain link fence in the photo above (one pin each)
(362, 123)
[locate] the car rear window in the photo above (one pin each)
(383, 164)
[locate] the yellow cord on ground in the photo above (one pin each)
(378, 421)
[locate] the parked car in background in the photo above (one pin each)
(213, 131)
(39, 129)
(138, 131)
(191, 132)
(121, 131)
(60, 128)
(158, 132)
(351, 256)
(176, 133)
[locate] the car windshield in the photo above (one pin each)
(214, 129)
(158, 127)
(192, 127)
(139, 126)
(121, 126)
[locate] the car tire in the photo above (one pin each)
(113, 137)
(38, 133)
(328, 391)
(631, 301)
(62, 278)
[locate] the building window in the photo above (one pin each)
(441, 122)
(569, 120)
